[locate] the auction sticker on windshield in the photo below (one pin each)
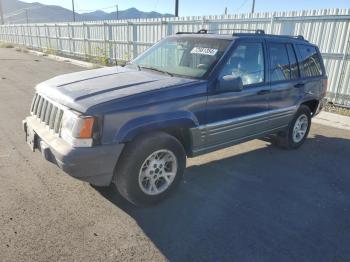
(204, 51)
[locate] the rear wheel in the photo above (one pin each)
(149, 168)
(297, 131)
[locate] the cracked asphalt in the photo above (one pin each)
(251, 202)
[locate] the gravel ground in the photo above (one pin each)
(337, 109)
(251, 202)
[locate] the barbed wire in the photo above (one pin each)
(241, 6)
(93, 10)
(20, 11)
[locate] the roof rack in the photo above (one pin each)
(299, 37)
(201, 31)
(243, 32)
(206, 31)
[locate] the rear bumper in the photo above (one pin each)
(91, 164)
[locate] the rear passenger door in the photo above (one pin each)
(285, 82)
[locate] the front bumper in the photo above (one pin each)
(91, 164)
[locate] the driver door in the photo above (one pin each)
(234, 116)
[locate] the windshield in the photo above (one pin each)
(185, 56)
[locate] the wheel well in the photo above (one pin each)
(181, 134)
(312, 104)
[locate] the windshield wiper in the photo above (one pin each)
(154, 69)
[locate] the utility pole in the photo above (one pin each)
(225, 11)
(1, 13)
(73, 10)
(117, 12)
(253, 6)
(176, 8)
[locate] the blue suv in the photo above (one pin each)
(190, 94)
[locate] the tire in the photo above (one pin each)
(288, 139)
(136, 169)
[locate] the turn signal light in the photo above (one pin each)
(86, 130)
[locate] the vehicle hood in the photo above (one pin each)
(82, 90)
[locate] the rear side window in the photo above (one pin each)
(310, 60)
(279, 62)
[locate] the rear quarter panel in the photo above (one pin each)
(315, 87)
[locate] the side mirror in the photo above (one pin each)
(229, 83)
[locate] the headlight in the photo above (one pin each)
(77, 130)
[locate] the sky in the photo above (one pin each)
(198, 7)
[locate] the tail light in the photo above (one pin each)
(325, 86)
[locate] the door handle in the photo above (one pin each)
(298, 85)
(263, 92)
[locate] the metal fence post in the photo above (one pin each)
(73, 39)
(38, 36)
(105, 39)
(204, 21)
(272, 23)
(169, 28)
(161, 28)
(110, 42)
(30, 36)
(88, 40)
(56, 36)
(17, 36)
(69, 39)
(60, 38)
(134, 41)
(48, 39)
(84, 38)
(24, 33)
(129, 39)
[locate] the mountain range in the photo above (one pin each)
(16, 11)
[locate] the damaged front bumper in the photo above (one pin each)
(91, 164)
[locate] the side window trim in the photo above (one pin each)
(299, 58)
(296, 59)
(289, 61)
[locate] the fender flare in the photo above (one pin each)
(137, 126)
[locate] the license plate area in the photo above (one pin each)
(31, 138)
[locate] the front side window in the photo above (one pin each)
(310, 60)
(186, 56)
(246, 62)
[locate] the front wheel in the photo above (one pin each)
(149, 168)
(297, 130)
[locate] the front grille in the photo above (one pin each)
(47, 112)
